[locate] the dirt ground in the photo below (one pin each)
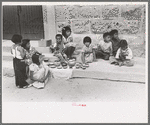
(75, 90)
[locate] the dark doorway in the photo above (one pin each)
(24, 20)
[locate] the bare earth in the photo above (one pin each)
(75, 90)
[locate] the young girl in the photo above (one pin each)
(29, 52)
(39, 72)
(19, 65)
(68, 42)
(87, 53)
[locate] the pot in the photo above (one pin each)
(57, 63)
(71, 63)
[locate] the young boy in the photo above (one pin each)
(115, 41)
(124, 54)
(104, 50)
(58, 48)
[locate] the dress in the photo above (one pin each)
(88, 53)
(19, 67)
(38, 73)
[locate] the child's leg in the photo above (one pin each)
(128, 63)
(99, 54)
(106, 56)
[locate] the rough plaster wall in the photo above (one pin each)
(93, 21)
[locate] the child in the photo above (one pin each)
(68, 42)
(58, 48)
(29, 52)
(124, 54)
(39, 72)
(115, 41)
(104, 50)
(87, 53)
(19, 65)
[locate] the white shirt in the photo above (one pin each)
(127, 53)
(15, 52)
(106, 47)
(69, 41)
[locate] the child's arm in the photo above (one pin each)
(83, 58)
(118, 53)
(111, 50)
(130, 55)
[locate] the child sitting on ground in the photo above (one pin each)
(104, 49)
(87, 53)
(124, 55)
(115, 41)
(58, 49)
(39, 72)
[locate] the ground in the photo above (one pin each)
(75, 90)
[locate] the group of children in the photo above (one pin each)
(110, 48)
(29, 66)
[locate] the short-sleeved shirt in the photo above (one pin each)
(127, 53)
(86, 49)
(15, 51)
(69, 41)
(106, 47)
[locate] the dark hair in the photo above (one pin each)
(24, 43)
(64, 29)
(16, 38)
(58, 35)
(123, 43)
(87, 39)
(112, 32)
(106, 34)
(35, 59)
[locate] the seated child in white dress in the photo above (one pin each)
(124, 55)
(39, 71)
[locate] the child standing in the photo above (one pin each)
(29, 52)
(87, 53)
(58, 48)
(115, 41)
(39, 72)
(104, 49)
(68, 42)
(124, 54)
(18, 63)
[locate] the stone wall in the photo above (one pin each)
(94, 20)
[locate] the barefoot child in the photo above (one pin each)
(39, 72)
(68, 42)
(19, 65)
(104, 50)
(124, 54)
(58, 49)
(87, 53)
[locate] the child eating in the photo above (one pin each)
(39, 72)
(104, 49)
(124, 55)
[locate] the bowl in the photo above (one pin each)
(71, 63)
(57, 63)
